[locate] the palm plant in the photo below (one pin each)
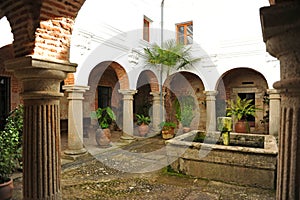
(172, 55)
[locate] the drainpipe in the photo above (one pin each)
(161, 66)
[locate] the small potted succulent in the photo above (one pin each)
(105, 117)
(143, 123)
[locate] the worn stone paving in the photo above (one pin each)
(89, 178)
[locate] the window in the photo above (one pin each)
(184, 33)
(146, 29)
(4, 99)
(104, 96)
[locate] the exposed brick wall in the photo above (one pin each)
(52, 40)
(41, 27)
(6, 52)
(184, 84)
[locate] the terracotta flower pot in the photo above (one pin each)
(6, 190)
(241, 126)
(143, 129)
(103, 137)
(168, 133)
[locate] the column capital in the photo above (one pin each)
(157, 94)
(274, 94)
(41, 78)
(280, 20)
(210, 95)
(75, 88)
(128, 94)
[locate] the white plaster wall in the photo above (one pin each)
(224, 37)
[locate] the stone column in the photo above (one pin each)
(41, 145)
(127, 113)
(211, 124)
(274, 112)
(281, 31)
(75, 119)
(158, 112)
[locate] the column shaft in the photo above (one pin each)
(274, 112)
(211, 123)
(157, 110)
(127, 113)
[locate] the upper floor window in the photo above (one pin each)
(184, 32)
(146, 29)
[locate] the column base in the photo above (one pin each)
(127, 137)
(74, 154)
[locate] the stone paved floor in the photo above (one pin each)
(132, 170)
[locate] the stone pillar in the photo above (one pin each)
(211, 124)
(127, 113)
(281, 31)
(41, 145)
(157, 110)
(75, 119)
(274, 112)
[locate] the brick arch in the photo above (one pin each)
(148, 77)
(98, 71)
(41, 28)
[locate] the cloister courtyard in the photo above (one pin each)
(88, 178)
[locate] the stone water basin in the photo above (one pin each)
(250, 159)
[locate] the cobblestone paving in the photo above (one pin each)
(88, 178)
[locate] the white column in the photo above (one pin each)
(127, 113)
(274, 112)
(157, 110)
(211, 124)
(75, 119)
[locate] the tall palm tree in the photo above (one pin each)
(172, 55)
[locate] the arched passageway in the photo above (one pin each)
(245, 83)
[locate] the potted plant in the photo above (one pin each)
(143, 123)
(105, 117)
(10, 150)
(240, 109)
(167, 129)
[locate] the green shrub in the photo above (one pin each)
(11, 143)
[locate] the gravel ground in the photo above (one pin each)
(88, 178)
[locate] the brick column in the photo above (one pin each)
(281, 31)
(274, 112)
(211, 124)
(158, 112)
(127, 113)
(41, 145)
(75, 119)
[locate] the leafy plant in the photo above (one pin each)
(167, 125)
(184, 107)
(105, 116)
(186, 115)
(11, 143)
(142, 119)
(171, 55)
(241, 108)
